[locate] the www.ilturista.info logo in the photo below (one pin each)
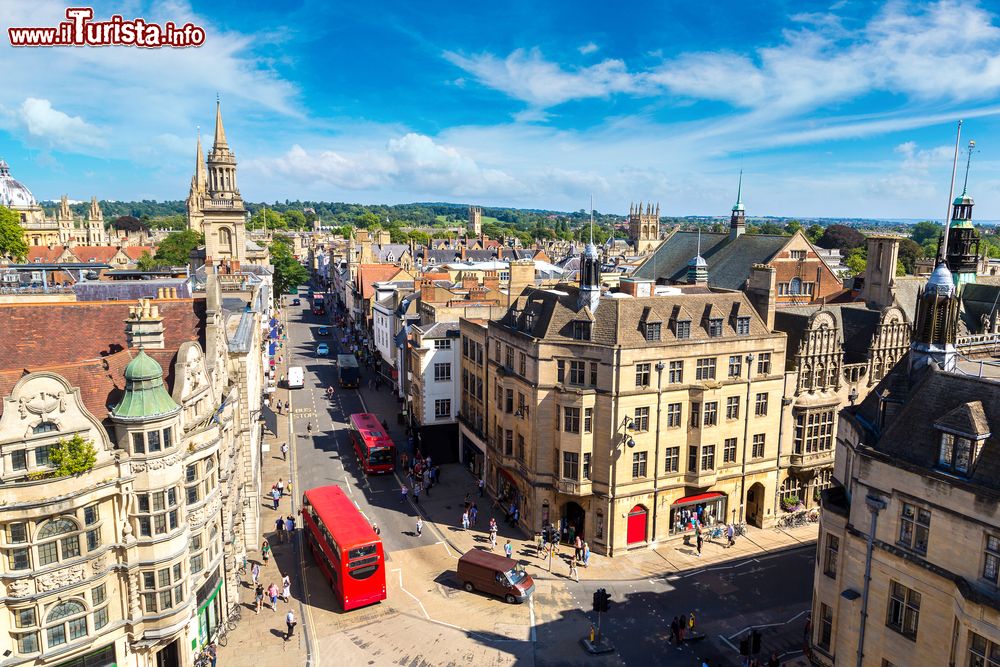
(80, 30)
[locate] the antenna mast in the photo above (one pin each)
(951, 196)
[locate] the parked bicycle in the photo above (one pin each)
(739, 529)
(222, 634)
(717, 532)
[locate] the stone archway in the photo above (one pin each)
(573, 517)
(755, 505)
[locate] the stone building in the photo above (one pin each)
(63, 229)
(616, 415)
(132, 561)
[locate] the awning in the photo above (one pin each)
(698, 498)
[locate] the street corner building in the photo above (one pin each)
(125, 552)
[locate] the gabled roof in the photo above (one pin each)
(857, 323)
(369, 274)
(966, 419)
(41, 254)
(729, 260)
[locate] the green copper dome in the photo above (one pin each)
(145, 396)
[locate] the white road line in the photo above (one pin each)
(769, 625)
(718, 567)
(426, 615)
(531, 615)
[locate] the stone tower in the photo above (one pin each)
(879, 289)
(962, 253)
(644, 226)
(199, 189)
(95, 224)
(224, 219)
(475, 221)
(64, 219)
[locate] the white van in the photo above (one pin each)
(295, 377)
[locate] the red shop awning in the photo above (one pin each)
(696, 499)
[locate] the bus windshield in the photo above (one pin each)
(380, 457)
(515, 575)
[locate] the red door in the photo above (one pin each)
(636, 532)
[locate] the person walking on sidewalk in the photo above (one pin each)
(286, 588)
(416, 493)
(290, 622)
(731, 535)
(255, 572)
(700, 541)
(279, 528)
(284, 451)
(481, 484)
(577, 548)
(403, 491)
(258, 598)
(275, 496)
(309, 428)
(508, 549)
(573, 571)
(290, 527)
(280, 486)
(473, 514)
(272, 594)
(420, 526)
(493, 538)
(465, 520)
(265, 551)
(586, 554)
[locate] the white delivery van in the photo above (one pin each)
(295, 377)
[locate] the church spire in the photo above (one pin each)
(220, 132)
(200, 179)
(737, 221)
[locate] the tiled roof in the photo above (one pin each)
(39, 335)
(369, 274)
(913, 437)
(968, 419)
(619, 321)
(857, 323)
(41, 254)
(136, 251)
(729, 261)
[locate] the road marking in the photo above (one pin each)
(718, 567)
(531, 615)
(426, 615)
(768, 625)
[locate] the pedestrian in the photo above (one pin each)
(272, 594)
(731, 534)
(473, 514)
(481, 484)
(699, 542)
(404, 461)
(258, 596)
(309, 428)
(403, 491)
(275, 496)
(577, 548)
(586, 554)
(376, 529)
(673, 632)
(284, 451)
(279, 528)
(573, 571)
(437, 474)
(265, 551)
(465, 520)
(508, 549)
(255, 572)
(286, 588)
(493, 539)
(288, 487)
(290, 622)
(420, 526)
(212, 651)
(290, 527)
(691, 622)
(416, 493)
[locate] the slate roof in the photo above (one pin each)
(441, 256)
(128, 290)
(979, 300)
(857, 323)
(911, 436)
(437, 329)
(729, 261)
(383, 251)
(619, 321)
(480, 255)
(967, 419)
(907, 290)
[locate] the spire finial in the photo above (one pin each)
(220, 132)
(951, 196)
(699, 240)
(591, 219)
(739, 190)
(968, 163)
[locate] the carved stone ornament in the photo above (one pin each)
(64, 577)
(42, 403)
(19, 588)
(155, 464)
(133, 595)
(98, 563)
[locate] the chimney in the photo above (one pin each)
(879, 289)
(522, 274)
(762, 291)
(144, 325)
(491, 280)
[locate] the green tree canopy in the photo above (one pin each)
(288, 272)
(267, 218)
(815, 233)
(843, 237)
(175, 249)
(73, 456)
(909, 252)
(12, 245)
(296, 219)
(925, 231)
(855, 262)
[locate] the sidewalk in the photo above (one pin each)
(443, 508)
(262, 635)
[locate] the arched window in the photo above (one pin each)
(65, 622)
(795, 286)
(56, 527)
(226, 240)
(53, 548)
(44, 427)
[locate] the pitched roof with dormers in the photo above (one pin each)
(549, 314)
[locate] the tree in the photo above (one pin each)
(909, 252)
(267, 218)
(368, 220)
(296, 219)
(73, 456)
(925, 231)
(843, 237)
(149, 263)
(793, 226)
(12, 243)
(815, 233)
(855, 262)
(288, 273)
(176, 247)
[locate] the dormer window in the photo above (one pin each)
(743, 326)
(651, 331)
(683, 328)
(957, 453)
(715, 327)
(581, 330)
(964, 430)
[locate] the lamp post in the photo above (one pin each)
(746, 429)
(875, 504)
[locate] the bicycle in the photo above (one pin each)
(717, 532)
(222, 633)
(739, 529)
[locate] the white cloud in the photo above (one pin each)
(588, 48)
(527, 76)
(58, 129)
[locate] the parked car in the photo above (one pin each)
(323, 349)
(323, 331)
(498, 575)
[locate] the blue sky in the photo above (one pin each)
(843, 109)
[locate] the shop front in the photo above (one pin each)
(473, 458)
(209, 607)
(704, 509)
(104, 657)
(508, 495)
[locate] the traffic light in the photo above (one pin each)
(602, 600)
(754, 642)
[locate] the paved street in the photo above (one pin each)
(428, 619)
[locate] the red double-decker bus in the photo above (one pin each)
(319, 304)
(375, 449)
(344, 546)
